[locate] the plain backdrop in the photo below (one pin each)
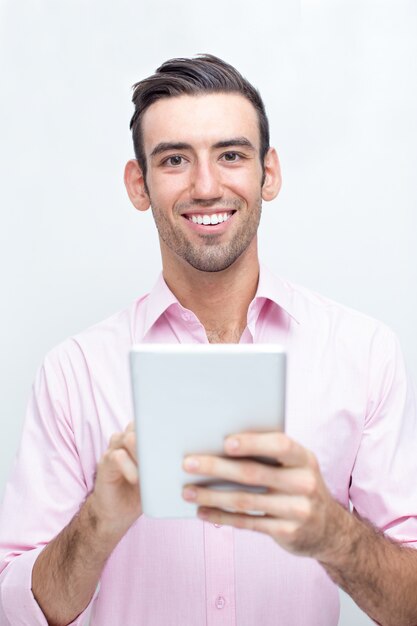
(339, 82)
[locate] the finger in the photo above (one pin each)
(120, 464)
(243, 471)
(276, 528)
(115, 441)
(130, 427)
(276, 445)
(127, 440)
(274, 505)
(286, 480)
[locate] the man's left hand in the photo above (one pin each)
(296, 510)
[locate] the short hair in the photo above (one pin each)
(205, 73)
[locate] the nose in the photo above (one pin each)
(205, 184)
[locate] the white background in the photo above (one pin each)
(339, 82)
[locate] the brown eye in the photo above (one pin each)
(231, 156)
(174, 160)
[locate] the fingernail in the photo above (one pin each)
(189, 494)
(202, 513)
(191, 463)
(232, 444)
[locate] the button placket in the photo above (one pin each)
(220, 575)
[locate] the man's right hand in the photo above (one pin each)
(62, 585)
(115, 499)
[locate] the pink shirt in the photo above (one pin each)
(348, 401)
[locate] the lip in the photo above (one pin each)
(212, 229)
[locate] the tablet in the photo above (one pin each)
(187, 398)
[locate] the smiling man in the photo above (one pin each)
(206, 194)
(214, 184)
(71, 517)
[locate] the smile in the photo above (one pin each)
(209, 220)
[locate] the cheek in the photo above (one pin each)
(166, 191)
(249, 193)
(246, 183)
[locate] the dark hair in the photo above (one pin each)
(202, 74)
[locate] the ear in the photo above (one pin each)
(135, 186)
(272, 169)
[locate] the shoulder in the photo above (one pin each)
(102, 342)
(315, 309)
(325, 325)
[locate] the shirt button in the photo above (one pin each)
(220, 602)
(217, 525)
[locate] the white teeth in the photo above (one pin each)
(215, 218)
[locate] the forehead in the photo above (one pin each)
(200, 120)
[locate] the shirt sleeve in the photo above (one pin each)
(383, 478)
(45, 490)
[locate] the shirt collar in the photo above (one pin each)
(277, 290)
(271, 287)
(159, 300)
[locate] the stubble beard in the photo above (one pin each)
(209, 255)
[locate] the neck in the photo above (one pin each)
(220, 300)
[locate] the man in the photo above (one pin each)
(73, 537)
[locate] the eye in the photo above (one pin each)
(231, 157)
(174, 161)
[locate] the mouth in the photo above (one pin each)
(209, 219)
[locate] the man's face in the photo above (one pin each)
(204, 177)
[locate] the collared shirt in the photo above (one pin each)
(348, 400)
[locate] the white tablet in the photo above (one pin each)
(187, 399)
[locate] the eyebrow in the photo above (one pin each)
(236, 141)
(165, 146)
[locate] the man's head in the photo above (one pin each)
(204, 74)
(203, 162)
